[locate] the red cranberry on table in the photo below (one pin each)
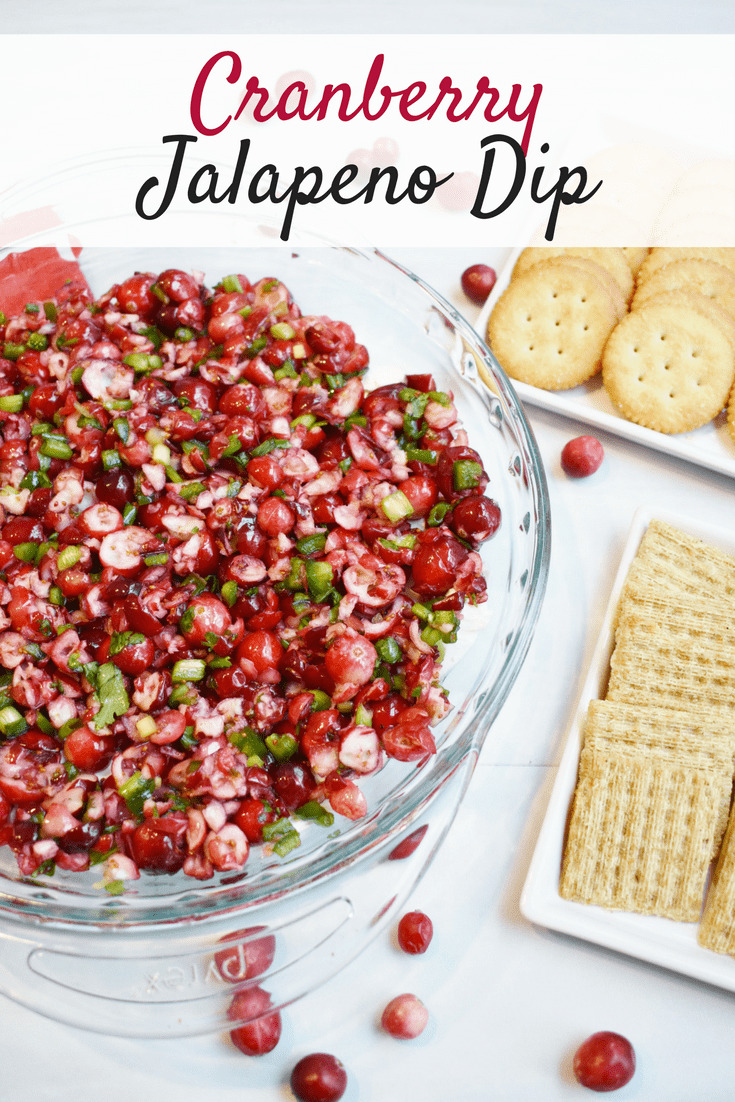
(405, 1017)
(477, 282)
(582, 456)
(604, 1062)
(415, 931)
(319, 1077)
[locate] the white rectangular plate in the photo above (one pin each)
(659, 941)
(710, 446)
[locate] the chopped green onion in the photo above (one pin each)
(268, 446)
(26, 552)
(172, 474)
(44, 724)
(158, 558)
(56, 447)
(322, 700)
(190, 491)
(12, 350)
(311, 544)
(228, 593)
(288, 841)
(315, 813)
(188, 669)
(11, 403)
(12, 722)
(122, 428)
(35, 480)
(437, 514)
(233, 446)
(70, 556)
(388, 649)
(319, 578)
(182, 694)
(396, 507)
(232, 285)
(66, 728)
(143, 362)
(283, 331)
(420, 455)
(466, 474)
(111, 459)
(282, 746)
(136, 790)
(249, 742)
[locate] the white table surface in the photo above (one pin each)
(509, 1002)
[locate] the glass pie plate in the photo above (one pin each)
(143, 963)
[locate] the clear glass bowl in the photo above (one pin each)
(142, 963)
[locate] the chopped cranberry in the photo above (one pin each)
(88, 750)
(262, 649)
(115, 487)
(156, 847)
(435, 564)
(198, 559)
(135, 296)
(294, 784)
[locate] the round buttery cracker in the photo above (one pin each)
(701, 303)
(635, 255)
(612, 259)
(667, 254)
(668, 368)
(706, 277)
(563, 263)
(549, 326)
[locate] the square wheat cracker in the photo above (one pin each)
(717, 928)
(674, 650)
(641, 836)
(696, 740)
(686, 561)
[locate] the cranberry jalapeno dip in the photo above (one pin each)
(228, 573)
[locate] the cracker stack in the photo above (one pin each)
(667, 359)
(656, 770)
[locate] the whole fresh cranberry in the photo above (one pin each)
(319, 1077)
(582, 456)
(405, 1017)
(415, 931)
(604, 1062)
(477, 282)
